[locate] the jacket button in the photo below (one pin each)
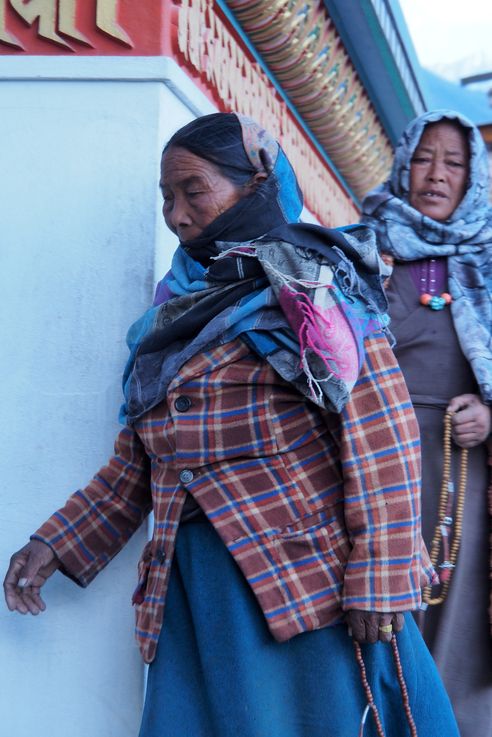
(186, 476)
(182, 403)
(160, 555)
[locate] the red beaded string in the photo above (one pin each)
(368, 691)
(403, 687)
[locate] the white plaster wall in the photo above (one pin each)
(81, 243)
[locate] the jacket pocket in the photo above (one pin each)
(313, 551)
(143, 569)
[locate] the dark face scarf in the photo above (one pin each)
(251, 217)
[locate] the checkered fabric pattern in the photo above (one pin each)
(320, 511)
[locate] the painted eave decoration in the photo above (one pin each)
(303, 51)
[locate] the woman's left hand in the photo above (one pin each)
(471, 421)
(374, 626)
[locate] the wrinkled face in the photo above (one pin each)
(439, 170)
(195, 192)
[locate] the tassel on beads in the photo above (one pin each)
(370, 698)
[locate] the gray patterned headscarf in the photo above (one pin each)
(466, 238)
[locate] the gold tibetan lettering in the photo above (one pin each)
(59, 16)
(5, 36)
(106, 20)
(66, 21)
(45, 12)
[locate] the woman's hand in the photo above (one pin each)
(29, 568)
(367, 626)
(471, 423)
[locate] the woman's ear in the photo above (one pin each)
(256, 180)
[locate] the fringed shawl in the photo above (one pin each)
(302, 296)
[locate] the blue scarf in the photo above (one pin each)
(465, 238)
(307, 316)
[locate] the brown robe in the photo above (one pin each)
(457, 632)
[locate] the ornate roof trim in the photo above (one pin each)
(300, 46)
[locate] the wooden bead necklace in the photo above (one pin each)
(371, 705)
(447, 526)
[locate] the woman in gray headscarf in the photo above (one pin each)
(434, 223)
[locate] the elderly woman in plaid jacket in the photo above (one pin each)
(268, 428)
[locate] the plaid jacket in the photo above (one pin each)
(320, 511)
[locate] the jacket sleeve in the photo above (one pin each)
(97, 521)
(380, 458)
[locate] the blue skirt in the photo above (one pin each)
(219, 672)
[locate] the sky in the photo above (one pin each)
(443, 32)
